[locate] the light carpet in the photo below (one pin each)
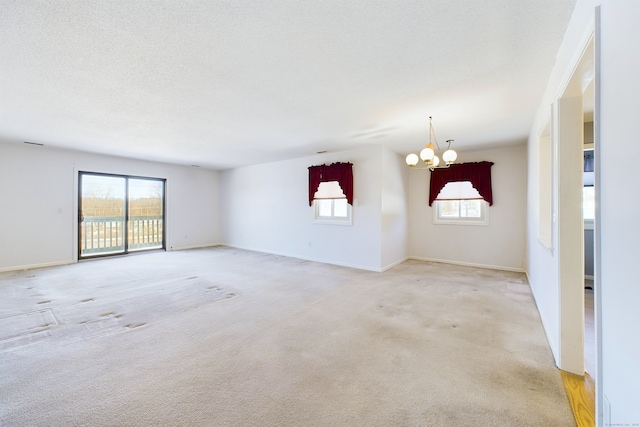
(226, 337)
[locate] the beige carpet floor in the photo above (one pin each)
(225, 337)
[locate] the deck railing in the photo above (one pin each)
(106, 234)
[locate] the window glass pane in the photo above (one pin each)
(470, 209)
(101, 223)
(449, 208)
(340, 208)
(461, 212)
(589, 202)
(145, 214)
(324, 207)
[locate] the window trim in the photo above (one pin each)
(332, 220)
(482, 221)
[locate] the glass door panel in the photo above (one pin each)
(145, 219)
(119, 214)
(102, 206)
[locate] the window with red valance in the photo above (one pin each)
(341, 172)
(478, 173)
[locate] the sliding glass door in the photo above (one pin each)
(145, 211)
(119, 214)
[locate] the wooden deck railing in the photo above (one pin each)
(106, 234)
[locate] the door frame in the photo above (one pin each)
(126, 251)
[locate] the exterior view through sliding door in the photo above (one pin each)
(118, 214)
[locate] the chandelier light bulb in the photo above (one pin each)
(412, 159)
(449, 156)
(427, 153)
(435, 161)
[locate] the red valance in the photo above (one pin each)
(341, 172)
(479, 173)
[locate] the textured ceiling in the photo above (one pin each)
(229, 83)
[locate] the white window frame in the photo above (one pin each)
(332, 220)
(440, 220)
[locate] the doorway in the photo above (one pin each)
(575, 119)
(118, 214)
(589, 215)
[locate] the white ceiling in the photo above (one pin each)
(222, 84)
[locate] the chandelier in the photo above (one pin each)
(428, 154)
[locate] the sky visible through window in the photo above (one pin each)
(110, 187)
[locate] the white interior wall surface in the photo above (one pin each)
(38, 197)
(617, 227)
(542, 263)
(266, 208)
(501, 244)
(395, 210)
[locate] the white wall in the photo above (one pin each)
(394, 209)
(617, 271)
(542, 263)
(265, 208)
(617, 290)
(38, 197)
(395, 206)
(501, 244)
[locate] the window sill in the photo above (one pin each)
(346, 221)
(482, 222)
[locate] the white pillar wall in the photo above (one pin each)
(570, 246)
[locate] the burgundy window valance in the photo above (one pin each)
(341, 172)
(479, 173)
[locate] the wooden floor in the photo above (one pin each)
(581, 389)
(582, 396)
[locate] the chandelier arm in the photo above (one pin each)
(431, 168)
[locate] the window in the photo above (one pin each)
(460, 203)
(588, 190)
(463, 212)
(330, 205)
(332, 211)
(589, 203)
(118, 214)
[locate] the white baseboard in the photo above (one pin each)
(32, 266)
(185, 248)
(59, 263)
(376, 269)
(393, 264)
(469, 264)
(552, 343)
(323, 261)
(320, 260)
